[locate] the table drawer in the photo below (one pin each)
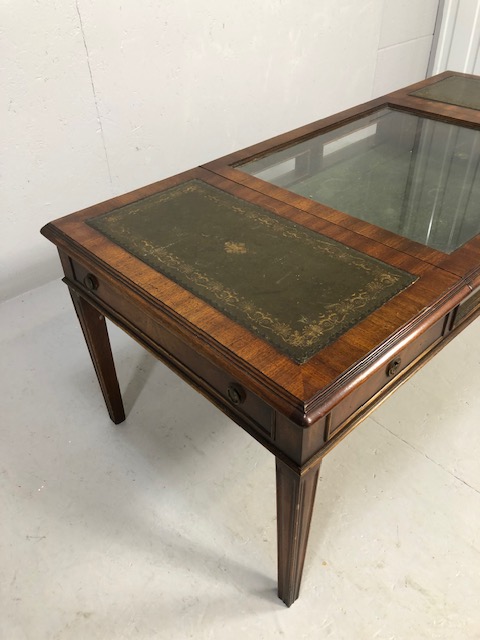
(383, 377)
(221, 388)
(467, 308)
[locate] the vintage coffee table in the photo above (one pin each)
(299, 282)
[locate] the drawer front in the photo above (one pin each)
(212, 381)
(467, 308)
(383, 378)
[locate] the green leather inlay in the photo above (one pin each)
(463, 92)
(295, 288)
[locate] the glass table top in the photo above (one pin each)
(414, 176)
(295, 288)
(463, 92)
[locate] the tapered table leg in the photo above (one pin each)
(295, 498)
(94, 329)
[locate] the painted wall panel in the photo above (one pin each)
(406, 20)
(184, 85)
(103, 97)
(401, 65)
(52, 159)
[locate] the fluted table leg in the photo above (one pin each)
(295, 499)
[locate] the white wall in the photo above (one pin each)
(103, 97)
(405, 43)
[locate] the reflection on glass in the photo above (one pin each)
(414, 176)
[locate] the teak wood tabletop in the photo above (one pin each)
(296, 283)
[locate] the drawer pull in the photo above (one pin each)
(90, 282)
(394, 367)
(236, 394)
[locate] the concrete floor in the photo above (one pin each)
(164, 527)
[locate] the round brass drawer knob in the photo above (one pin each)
(90, 282)
(394, 367)
(236, 394)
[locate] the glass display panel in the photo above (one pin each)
(414, 176)
(297, 289)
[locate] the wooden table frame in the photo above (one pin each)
(297, 411)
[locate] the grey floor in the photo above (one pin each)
(164, 527)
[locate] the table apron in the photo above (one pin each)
(297, 446)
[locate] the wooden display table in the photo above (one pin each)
(296, 283)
